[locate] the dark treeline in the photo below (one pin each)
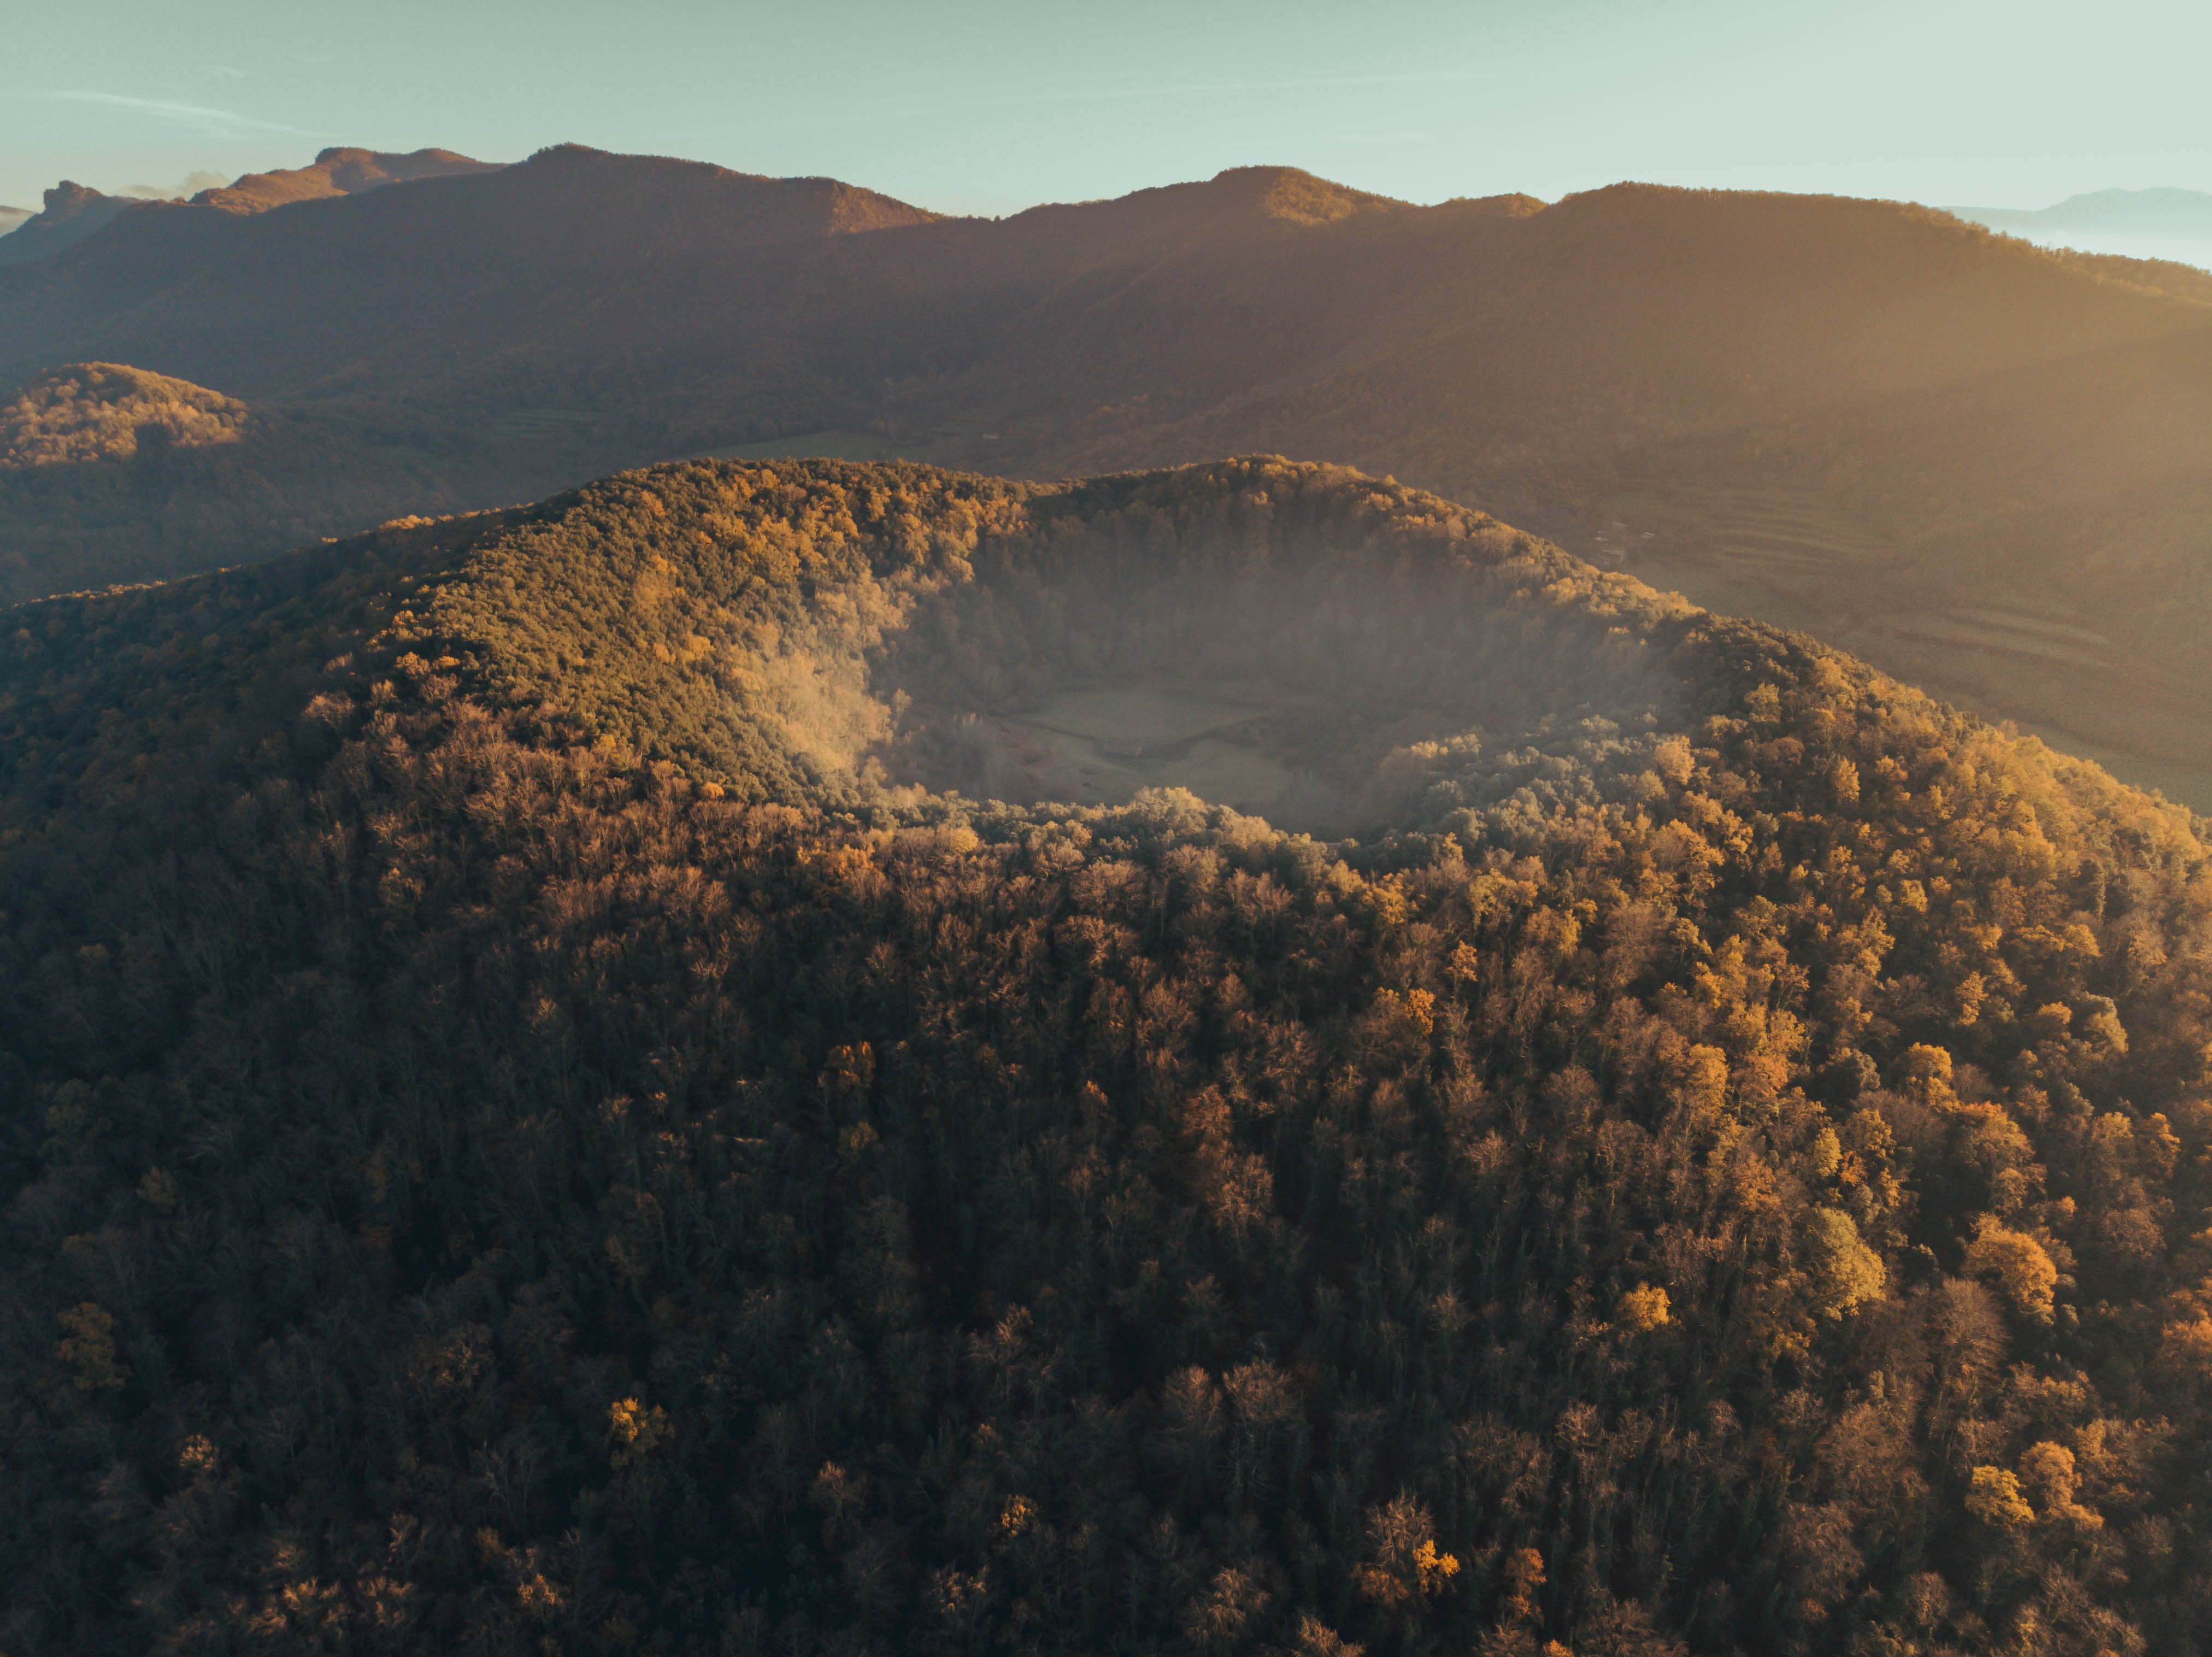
(479, 1181)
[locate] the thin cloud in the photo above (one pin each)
(204, 119)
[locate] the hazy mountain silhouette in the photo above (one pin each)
(2172, 226)
(1981, 464)
(2189, 211)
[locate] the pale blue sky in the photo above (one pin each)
(987, 106)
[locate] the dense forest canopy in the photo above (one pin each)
(1979, 464)
(535, 1120)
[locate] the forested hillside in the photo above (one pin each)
(1980, 464)
(111, 475)
(534, 1121)
(92, 412)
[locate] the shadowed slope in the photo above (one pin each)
(385, 287)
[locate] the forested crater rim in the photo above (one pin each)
(1298, 641)
(1334, 653)
(1816, 1131)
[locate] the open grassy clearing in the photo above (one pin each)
(1105, 745)
(1990, 630)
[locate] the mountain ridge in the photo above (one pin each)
(1658, 378)
(339, 171)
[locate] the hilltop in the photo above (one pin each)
(88, 411)
(1980, 463)
(70, 213)
(337, 172)
(111, 474)
(545, 1107)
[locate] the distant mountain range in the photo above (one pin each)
(74, 211)
(1986, 467)
(2189, 211)
(2172, 225)
(337, 173)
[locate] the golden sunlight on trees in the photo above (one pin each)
(1403, 1562)
(105, 410)
(1129, 1227)
(2049, 1477)
(1993, 1496)
(2185, 1348)
(1844, 1272)
(1523, 1575)
(1642, 1308)
(1314, 1638)
(197, 1457)
(2020, 1266)
(634, 1432)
